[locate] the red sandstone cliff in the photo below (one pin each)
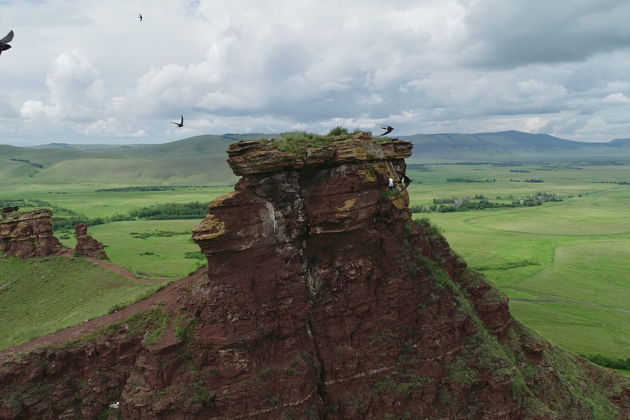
(323, 299)
(28, 234)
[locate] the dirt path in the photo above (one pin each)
(167, 296)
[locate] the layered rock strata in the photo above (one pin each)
(86, 245)
(28, 234)
(323, 299)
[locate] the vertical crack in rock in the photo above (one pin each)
(321, 384)
(311, 291)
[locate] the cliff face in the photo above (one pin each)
(28, 234)
(323, 299)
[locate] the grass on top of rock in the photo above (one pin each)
(299, 141)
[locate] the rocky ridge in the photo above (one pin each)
(323, 299)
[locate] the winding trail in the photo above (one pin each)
(169, 297)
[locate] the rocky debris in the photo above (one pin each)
(86, 245)
(323, 300)
(28, 234)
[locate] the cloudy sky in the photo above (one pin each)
(87, 71)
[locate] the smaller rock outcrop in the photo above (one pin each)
(86, 245)
(28, 234)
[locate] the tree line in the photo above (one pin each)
(168, 211)
(480, 202)
(598, 359)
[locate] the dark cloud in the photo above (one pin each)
(519, 32)
(420, 66)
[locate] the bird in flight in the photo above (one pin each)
(179, 124)
(4, 42)
(387, 129)
(140, 16)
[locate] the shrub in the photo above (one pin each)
(299, 141)
(391, 194)
(338, 131)
(598, 359)
(193, 210)
(423, 265)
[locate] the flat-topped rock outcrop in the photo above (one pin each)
(28, 234)
(260, 156)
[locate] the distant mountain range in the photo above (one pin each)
(511, 145)
(200, 160)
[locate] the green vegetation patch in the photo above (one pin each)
(480, 202)
(581, 387)
(612, 363)
(399, 383)
(159, 324)
(149, 324)
(298, 141)
(194, 210)
(184, 327)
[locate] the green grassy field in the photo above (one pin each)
(564, 265)
(105, 204)
(163, 254)
(40, 296)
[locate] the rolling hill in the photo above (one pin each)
(200, 160)
(197, 160)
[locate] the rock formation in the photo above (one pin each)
(86, 245)
(28, 234)
(323, 299)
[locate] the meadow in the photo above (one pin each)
(564, 264)
(40, 296)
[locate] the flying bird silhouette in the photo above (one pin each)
(387, 129)
(140, 16)
(179, 124)
(4, 42)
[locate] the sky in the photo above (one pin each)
(88, 71)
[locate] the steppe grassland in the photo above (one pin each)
(41, 296)
(565, 265)
(163, 248)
